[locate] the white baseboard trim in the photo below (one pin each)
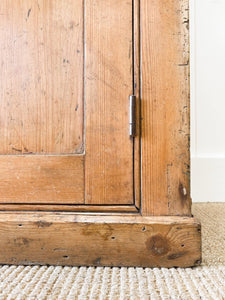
(208, 178)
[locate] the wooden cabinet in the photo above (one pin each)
(76, 187)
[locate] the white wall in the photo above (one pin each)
(207, 28)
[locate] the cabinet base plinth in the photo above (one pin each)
(99, 240)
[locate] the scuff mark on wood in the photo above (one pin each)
(184, 64)
(28, 14)
(97, 261)
(168, 182)
(42, 224)
(59, 249)
(22, 241)
(183, 192)
(15, 149)
(66, 61)
(79, 149)
(104, 232)
(176, 255)
(186, 22)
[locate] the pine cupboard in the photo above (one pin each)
(94, 134)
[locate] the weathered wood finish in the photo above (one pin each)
(41, 109)
(41, 78)
(41, 179)
(165, 107)
(70, 239)
(136, 87)
(108, 84)
(111, 209)
(108, 228)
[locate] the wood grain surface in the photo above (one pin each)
(137, 93)
(108, 84)
(79, 208)
(55, 53)
(41, 179)
(41, 78)
(165, 107)
(42, 75)
(70, 239)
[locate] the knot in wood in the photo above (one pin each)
(158, 245)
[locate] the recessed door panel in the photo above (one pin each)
(41, 86)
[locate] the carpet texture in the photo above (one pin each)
(204, 282)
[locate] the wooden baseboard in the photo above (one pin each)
(81, 239)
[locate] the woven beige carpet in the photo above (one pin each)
(204, 282)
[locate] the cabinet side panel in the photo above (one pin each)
(108, 84)
(165, 107)
(41, 78)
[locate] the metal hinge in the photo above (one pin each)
(132, 123)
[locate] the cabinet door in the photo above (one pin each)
(67, 70)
